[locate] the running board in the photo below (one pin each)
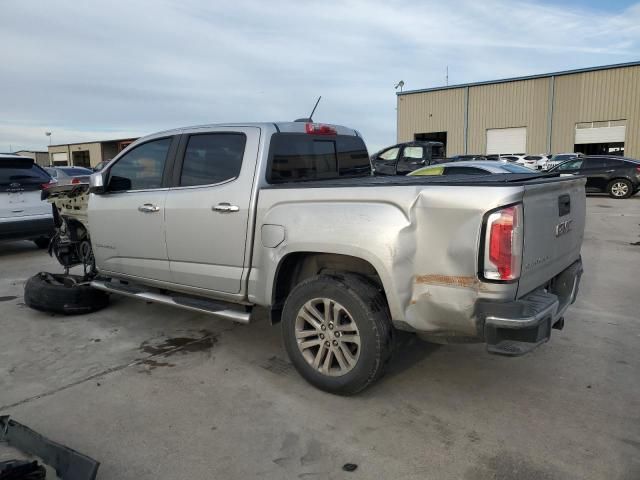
(210, 307)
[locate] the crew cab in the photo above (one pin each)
(286, 217)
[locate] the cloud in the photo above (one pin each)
(87, 70)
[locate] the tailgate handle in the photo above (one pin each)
(564, 205)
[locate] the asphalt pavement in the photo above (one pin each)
(158, 393)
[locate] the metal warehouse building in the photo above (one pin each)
(592, 110)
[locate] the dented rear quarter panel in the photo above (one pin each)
(422, 240)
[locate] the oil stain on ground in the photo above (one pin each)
(183, 345)
(171, 346)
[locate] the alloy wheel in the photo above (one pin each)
(327, 337)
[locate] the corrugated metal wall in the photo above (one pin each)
(441, 111)
(602, 95)
(597, 96)
(513, 104)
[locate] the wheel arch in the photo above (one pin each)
(296, 267)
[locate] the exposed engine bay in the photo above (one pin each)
(71, 244)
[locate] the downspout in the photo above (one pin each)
(466, 120)
(552, 93)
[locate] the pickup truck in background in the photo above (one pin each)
(286, 217)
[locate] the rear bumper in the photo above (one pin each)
(27, 227)
(515, 328)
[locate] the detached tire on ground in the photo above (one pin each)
(56, 293)
(337, 332)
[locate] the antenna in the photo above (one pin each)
(447, 75)
(314, 108)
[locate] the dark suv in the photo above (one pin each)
(406, 157)
(617, 176)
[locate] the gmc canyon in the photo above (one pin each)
(286, 217)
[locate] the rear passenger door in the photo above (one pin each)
(207, 208)
(596, 171)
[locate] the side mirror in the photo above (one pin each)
(97, 182)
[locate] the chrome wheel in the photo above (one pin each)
(619, 189)
(327, 337)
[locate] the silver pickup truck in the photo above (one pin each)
(287, 218)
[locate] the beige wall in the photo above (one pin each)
(95, 151)
(440, 111)
(597, 96)
(513, 104)
(602, 95)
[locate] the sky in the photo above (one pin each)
(97, 70)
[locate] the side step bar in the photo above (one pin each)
(210, 307)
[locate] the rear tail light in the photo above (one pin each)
(75, 181)
(320, 129)
(638, 169)
(49, 184)
(503, 244)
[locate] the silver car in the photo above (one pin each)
(69, 175)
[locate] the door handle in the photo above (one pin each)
(225, 208)
(148, 208)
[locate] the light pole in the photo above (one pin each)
(48, 134)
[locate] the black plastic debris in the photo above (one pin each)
(22, 470)
(68, 464)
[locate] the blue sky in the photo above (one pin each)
(98, 70)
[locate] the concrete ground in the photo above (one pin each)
(155, 393)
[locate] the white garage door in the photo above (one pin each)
(600, 132)
(60, 158)
(506, 140)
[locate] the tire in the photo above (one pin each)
(358, 311)
(42, 242)
(55, 293)
(620, 188)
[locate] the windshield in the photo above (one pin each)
(515, 168)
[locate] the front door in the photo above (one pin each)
(127, 221)
(385, 162)
(411, 159)
(207, 209)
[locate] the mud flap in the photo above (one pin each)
(68, 464)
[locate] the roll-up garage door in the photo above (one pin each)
(506, 140)
(600, 132)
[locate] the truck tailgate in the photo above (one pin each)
(554, 218)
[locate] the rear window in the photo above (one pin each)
(24, 172)
(77, 171)
(299, 157)
(515, 168)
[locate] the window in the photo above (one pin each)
(571, 165)
(212, 158)
(437, 151)
(390, 155)
(141, 168)
(533, 157)
(353, 158)
(515, 168)
(295, 156)
(22, 171)
(594, 162)
(412, 152)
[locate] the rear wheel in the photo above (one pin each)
(620, 188)
(337, 332)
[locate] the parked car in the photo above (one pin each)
(559, 158)
(486, 167)
(617, 176)
(534, 161)
(406, 157)
(286, 218)
(23, 214)
(68, 175)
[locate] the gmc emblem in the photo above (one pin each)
(563, 227)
